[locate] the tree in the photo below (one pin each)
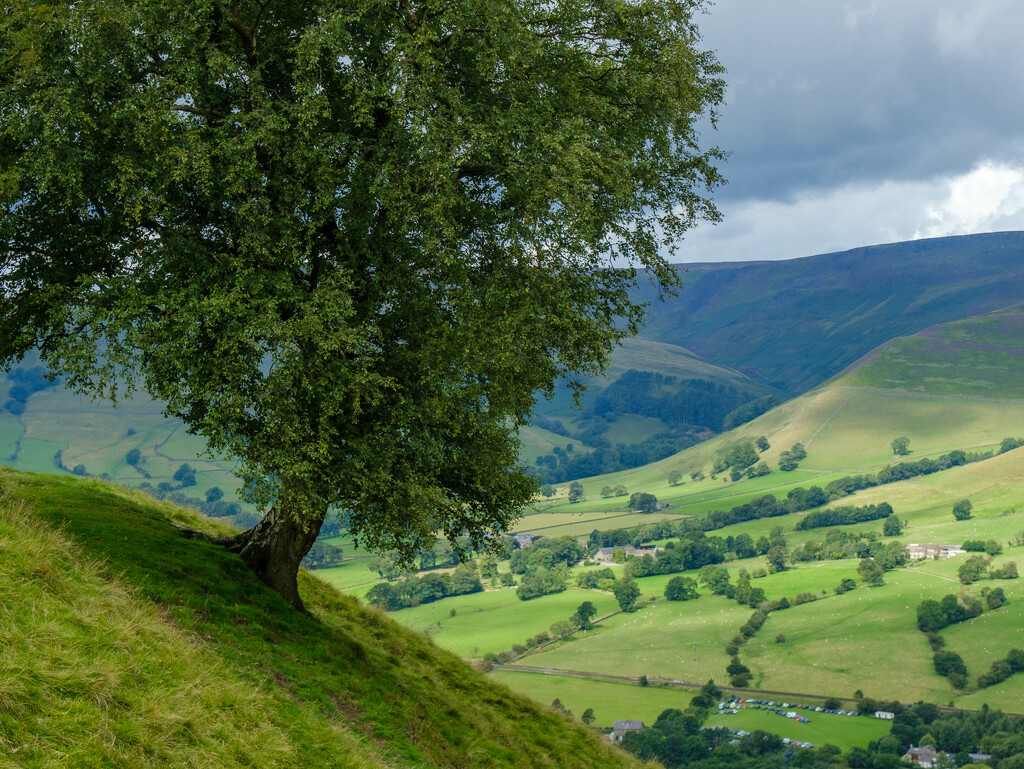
(762, 443)
(561, 629)
(588, 716)
(626, 592)
(891, 526)
(575, 491)
(962, 510)
(777, 557)
(582, 616)
(870, 572)
(214, 494)
(681, 589)
(901, 445)
(643, 502)
(133, 457)
(347, 244)
(185, 475)
(674, 477)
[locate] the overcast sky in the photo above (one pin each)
(856, 123)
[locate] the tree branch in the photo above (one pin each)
(235, 22)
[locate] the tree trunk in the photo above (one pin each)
(274, 549)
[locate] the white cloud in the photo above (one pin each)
(976, 201)
(988, 198)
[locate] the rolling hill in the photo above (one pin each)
(795, 323)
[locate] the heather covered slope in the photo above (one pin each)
(795, 323)
(127, 645)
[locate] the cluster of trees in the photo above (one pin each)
(977, 567)
(933, 616)
(696, 402)
(618, 491)
(25, 382)
(212, 505)
(413, 591)
(545, 566)
(1009, 444)
(596, 579)
(844, 516)
(563, 466)
(691, 552)
(546, 553)
(749, 411)
(627, 593)
(1002, 669)
(543, 581)
(763, 507)
(989, 546)
(959, 732)
(741, 459)
(840, 544)
(676, 738)
(323, 555)
(789, 460)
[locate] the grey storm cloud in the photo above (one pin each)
(822, 94)
(855, 123)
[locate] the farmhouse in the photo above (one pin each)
(523, 540)
(915, 551)
(621, 728)
(607, 554)
(925, 756)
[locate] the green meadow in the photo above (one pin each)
(613, 701)
(492, 621)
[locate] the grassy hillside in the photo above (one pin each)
(127, 645)
(954, 386)
(795, 323)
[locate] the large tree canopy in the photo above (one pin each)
(347, 242)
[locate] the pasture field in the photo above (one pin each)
(494, 620)
(580, 525)
(1007, 696)
(866, 639)
(536, 442)
(681, 641)
(985, 639)
(619, 701)
(824, 728)
(99, 436)
(629, 428)
(37, 456)
(611, 701)
(10, 432)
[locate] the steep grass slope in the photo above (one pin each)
(127, 645)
